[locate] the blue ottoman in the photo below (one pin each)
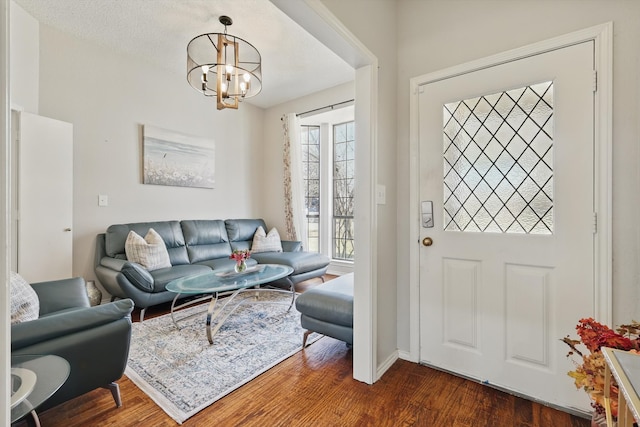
(328, 309)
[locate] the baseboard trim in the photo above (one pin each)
(405, 355)
(384, 367)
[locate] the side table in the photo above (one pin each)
(625, 368)
(51, 373)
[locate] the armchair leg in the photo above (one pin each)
(115, 392)
(142, 312)
(304, 338)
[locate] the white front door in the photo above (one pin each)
(45, 198)
(506, 157)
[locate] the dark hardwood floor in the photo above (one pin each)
(315, 387)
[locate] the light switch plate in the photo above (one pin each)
(103, 200)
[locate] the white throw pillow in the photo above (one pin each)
(24, 300)
(150, 252)
(266, 242)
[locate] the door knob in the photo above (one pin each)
(427, 241)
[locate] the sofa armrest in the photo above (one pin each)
(68, 322)
(135, 273)
(291, 245)
(138, 276)
(59, 295)
(113, 263)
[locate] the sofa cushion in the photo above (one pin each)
(243, 229)
(24, 300)
(165, 275)
(170, 231)
(301, 262)
(150, 251)
(205, 239)
(331, 301)
(263, 242)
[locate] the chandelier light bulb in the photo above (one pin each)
(204, 78)
(247, 77)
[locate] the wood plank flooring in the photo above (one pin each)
(315, 387)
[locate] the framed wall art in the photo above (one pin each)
(176, 159)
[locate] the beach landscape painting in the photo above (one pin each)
(176, 159)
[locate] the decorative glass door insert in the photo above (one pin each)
(498, 162)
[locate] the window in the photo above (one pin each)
(498, 162)
(343, 186)
(328, 168)
(310, 141)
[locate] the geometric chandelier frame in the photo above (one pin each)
(224, 66)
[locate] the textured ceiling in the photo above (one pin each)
(294, 63)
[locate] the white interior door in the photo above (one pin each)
(506, 156)
(45, 198)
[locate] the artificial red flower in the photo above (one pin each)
(589, 375)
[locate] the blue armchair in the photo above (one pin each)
(94, 340)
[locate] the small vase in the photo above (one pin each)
(240, 267)
(94, 294)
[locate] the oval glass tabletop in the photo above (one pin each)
(222, 281)
(49, 372)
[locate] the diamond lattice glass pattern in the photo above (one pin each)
(498, 162)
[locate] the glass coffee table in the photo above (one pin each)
(215, 283)
(34, 379)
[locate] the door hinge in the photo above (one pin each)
(595, 223)
(595, 81)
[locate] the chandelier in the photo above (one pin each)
(224, 66)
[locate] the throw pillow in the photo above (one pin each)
(24, 300)
(150, 252)
(266, 242)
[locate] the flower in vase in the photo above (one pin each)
(240, 255)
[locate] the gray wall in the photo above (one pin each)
(436, 34)
(108, 97)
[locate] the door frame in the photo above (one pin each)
(315, 18)
(602, 36)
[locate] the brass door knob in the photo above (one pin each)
(427, 241)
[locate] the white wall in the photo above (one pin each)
(24, 60)
(436, 34)
(108, 97)
(373, 22)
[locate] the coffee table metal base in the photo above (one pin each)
(215, 315)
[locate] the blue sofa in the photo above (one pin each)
(194, 246)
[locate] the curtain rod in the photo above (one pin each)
(332, 106)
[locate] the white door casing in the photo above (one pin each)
(493, 305)
(45, 198)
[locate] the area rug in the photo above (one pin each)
(184, 374)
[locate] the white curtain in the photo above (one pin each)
(294, 207)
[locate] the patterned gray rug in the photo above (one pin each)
(184, 374)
